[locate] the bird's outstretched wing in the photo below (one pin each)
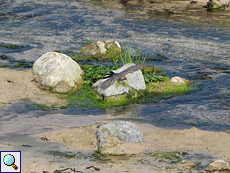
(106, 83)
(130, 70)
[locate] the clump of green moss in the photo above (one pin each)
(167, 88)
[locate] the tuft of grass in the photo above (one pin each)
(126, 57)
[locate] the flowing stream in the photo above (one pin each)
(197, 51)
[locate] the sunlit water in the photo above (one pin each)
(196, 51)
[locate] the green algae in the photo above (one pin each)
(3, 57)
(42, 107)
(87, 98)
(156, 87)
(12, 63)
(164, 155)
(109, 157)
(12, 46)
(168, 88)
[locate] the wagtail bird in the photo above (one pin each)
(111, 78)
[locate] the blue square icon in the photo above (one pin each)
(10, 161)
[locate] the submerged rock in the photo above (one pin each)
(218, 165)
(124, 130)
(57, 72)
(134, 80)
(101, 48)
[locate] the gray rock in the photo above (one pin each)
(101, 47)
(124, 130)
(180, 81)
(218, 165)
(134, 80)
(57, 72)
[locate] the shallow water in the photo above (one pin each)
(195, 51)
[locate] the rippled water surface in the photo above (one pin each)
(196, 51)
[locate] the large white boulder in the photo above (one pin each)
(57, 72)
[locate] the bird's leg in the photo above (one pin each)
(103, 97)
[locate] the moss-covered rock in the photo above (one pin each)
(168, 87)
(102, 49)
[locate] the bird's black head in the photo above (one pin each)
(109, 75)
(112, 72)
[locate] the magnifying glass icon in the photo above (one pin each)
(9, 160)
